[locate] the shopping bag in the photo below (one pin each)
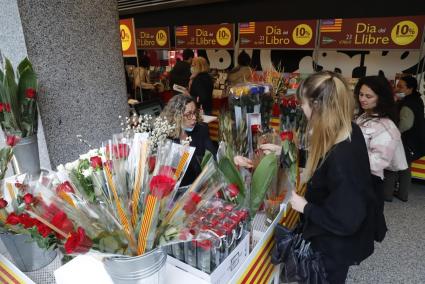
(299, 262)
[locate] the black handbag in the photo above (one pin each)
(299, 262)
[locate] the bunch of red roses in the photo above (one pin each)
(32, 214)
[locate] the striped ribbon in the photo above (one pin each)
(139, 179)
(121, 214)
(151, 204)
(8, 276)
(181, 165)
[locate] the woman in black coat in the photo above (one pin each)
(183, 112)
(339, 204)
(202, 85)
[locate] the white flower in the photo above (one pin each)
(60, 168)
(72, 165)
(87, 172)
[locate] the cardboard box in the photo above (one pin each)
(223, 273)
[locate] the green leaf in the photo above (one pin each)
(261, 181)
(231, 173)
(11, 88)
(1, 76)
(207, 156)
(23, 66)
(28, 79)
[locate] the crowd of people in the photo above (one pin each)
(360, 151)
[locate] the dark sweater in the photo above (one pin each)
(201, 140)
(339, 218)
(414, 138)
(201, 90)
(180, 74)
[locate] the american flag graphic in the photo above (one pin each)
(331, 25)
(182, 31)
(247, 28)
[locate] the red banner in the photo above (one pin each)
(278, 35)
(372, 33)
(205, 36)
(153, 38)
(128, 39)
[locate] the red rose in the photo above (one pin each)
(108, 165)
(1, 107)
(65, 187)
(78, 242)
(233, 190)
(12, 140)
(161, 185)
(49, 211)
(30, 93)
(3, 203)
(151, 163)
(43, 230)
(285, 102)
(166, 171)
(219, 194)
(255, 128)
(191, 204)
(7, 107)
(28, 199)
(96, 162)
(286, 135)
(118, 150)
(61, 221)
(13, 219)
(27, 221)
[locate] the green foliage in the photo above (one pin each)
(23, 116)
(232, 174)
(5, 157)
(207, 156)
(261, 181)
(50, 242)
(111, 242)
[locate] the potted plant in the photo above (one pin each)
(18, 114)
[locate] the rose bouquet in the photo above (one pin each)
(18, 92)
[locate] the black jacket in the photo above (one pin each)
(339, 218)
(180, 74)
(414, 138)
(201, 140)
(201, 90)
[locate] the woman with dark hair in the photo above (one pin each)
(182, 111)
(377, 119)
(242, 73)
(412, 128)
(141, 79)
(339, 204)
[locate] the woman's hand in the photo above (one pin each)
(297, 202)
(242, 162)
(271, 148)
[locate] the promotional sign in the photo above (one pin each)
(278, 35)
(128, 39)
(205, 37)
(157, 38)
(372, 33)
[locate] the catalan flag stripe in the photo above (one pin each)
(181, 164)
(8, 276)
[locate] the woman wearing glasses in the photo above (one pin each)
(183, 112)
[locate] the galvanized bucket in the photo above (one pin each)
(26, 156)
(148, 268)
(25, 253)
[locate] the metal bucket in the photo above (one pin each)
(148, 268)
(25, 253)
(27, 159)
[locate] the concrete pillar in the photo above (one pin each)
(76, 51)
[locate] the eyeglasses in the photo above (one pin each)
(190, 115)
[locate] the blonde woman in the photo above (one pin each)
(339, 204)
(183, 112)
(201, 86)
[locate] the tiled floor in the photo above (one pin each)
(400, 258)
